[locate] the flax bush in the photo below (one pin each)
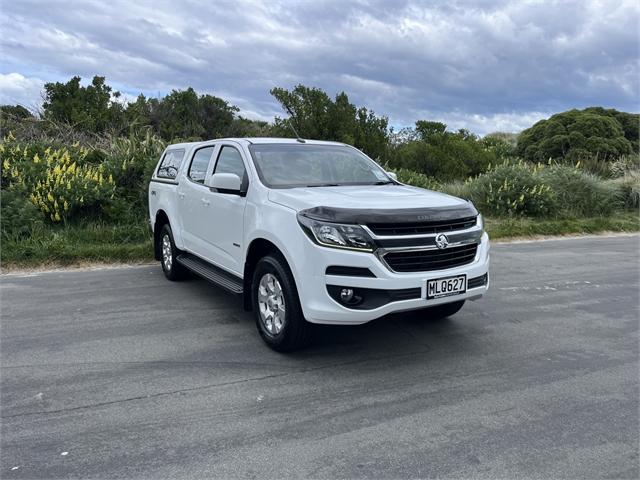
(628, 188)
(131, 161)
(581, 193)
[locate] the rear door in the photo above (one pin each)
(192, 197)
(223, 214)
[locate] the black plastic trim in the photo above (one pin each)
(362, 216)
(349, 271)
(477, 281)
(374, 297)
(161, 180)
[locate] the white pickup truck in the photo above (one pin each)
(312, 232)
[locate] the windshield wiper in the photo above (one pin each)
(384, 182)
(324, 185)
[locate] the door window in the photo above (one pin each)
(230, 161)
(199, 164)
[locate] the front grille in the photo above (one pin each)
(428, 260)
(419, 228)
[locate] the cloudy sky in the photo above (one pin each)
(481, 65)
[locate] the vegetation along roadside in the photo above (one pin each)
(74, 176)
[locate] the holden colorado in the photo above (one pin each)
(312, 232)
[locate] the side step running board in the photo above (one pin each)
(209, 272)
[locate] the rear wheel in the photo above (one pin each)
(276, 306)
(443, 311)
(171, 268)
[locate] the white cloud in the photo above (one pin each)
(478, 65)
(484, 124)
(18, 89)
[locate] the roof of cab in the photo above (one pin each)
(257, 140)
(182, 145)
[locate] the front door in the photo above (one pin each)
(224, 213)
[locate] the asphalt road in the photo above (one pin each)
(136, 377)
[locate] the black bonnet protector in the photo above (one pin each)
(363, 216)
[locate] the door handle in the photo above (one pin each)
(180, 195)
(206, 203)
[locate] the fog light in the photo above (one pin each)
(346, 294)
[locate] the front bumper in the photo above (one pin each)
(319, 307)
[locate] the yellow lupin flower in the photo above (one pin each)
(66, 206)
(50, 197)
(36, 158)
(57, 217)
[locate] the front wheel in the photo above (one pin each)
(276, 305)
(443, 311)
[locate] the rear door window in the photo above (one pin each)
(200, 164)
(170, 164)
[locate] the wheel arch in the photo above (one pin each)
(258, 248)
(161, 220)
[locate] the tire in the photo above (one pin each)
(276, 306)
(442, 311)
(168, 251)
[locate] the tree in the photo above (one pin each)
(16, 112)
(89, 108)
(432, 150)
(592, 133)
(315, 115)
(184, 115)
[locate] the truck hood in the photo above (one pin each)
(383, 199)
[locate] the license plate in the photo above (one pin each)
(445, 287)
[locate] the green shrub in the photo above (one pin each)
(20, 217)
(459, 189)
(579, 193)
(416, 179)
(628, 188)
(513, 190)
(444, 155)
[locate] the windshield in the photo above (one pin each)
(300, 165)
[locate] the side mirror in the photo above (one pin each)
(393, 175)
(225, 183)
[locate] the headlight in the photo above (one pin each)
(480, 221)
(335, 235)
